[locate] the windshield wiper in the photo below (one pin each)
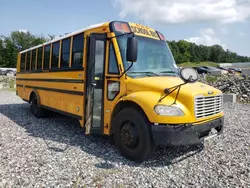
(148, 73)
(169, 72)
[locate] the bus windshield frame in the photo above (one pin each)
(154, 58)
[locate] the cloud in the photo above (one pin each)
(23, 30)
(242, 34)
(180, 11)
(207, 37)
(224, 31)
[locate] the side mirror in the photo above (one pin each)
(132, 49)
(189, 75)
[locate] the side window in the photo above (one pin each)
(33, 61)
(65, 53)
(39, 58)
(99, 58)
(28, 61)
(55, 54)
(77, 50)
(113, 67)
(22, 66)
(46, 56)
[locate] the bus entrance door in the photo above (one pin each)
(95, 83)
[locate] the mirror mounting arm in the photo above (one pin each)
(169, 92)
(126, 70)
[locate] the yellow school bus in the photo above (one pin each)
(120, 79)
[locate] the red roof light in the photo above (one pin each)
(161, 36)
(122, 27)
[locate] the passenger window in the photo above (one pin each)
(113, 67)
(28, 61)
(39, 58)
(99, 58)
(77, 50)
(46, 57)
(33, 62)
(22, 66)
(55, 54)
(65, 54)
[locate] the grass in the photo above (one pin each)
(11, 83)
(212, 79)
(197, 64)
(12, 89)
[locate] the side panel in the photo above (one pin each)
(63, 91)
(109, 104)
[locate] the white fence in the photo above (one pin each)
(236, 65)
(4, 69)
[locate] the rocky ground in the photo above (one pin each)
(231, 83)
(53, 152)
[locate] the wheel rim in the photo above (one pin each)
(129, 135)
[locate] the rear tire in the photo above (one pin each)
(132, 135)
(38, 112)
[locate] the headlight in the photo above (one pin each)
(168, 110)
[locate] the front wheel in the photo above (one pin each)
(132, 135)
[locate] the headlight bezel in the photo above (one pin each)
(171, 111)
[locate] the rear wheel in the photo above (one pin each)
(132, 135)
(36, 111)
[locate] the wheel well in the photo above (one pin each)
(126, 104)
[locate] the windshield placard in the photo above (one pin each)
(142, 30)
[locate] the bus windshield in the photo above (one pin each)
(154, 58)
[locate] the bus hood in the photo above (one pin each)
(148, 91)
(159, 84)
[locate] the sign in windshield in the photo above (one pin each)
(142, 30)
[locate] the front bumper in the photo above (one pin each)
(185, 134)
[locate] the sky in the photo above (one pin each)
(208, 22)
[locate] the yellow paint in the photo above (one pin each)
(145, 92)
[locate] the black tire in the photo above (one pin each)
(139, 146)
(36, 111)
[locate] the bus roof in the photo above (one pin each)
(66, 36)
(136, 28)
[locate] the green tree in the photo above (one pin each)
(16, 42)
(195, 53)
(24, 40)
(1, 51)
(175, 50)
(217, 53)
(9, 53)
(184, 48)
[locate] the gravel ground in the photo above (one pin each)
(54, 152)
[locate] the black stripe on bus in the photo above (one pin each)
(62, 112)
(53, 70)
(55, 90)
(51, 80)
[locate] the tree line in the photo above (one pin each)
(16, 42)
(182, 50)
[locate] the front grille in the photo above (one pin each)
(207, 106)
